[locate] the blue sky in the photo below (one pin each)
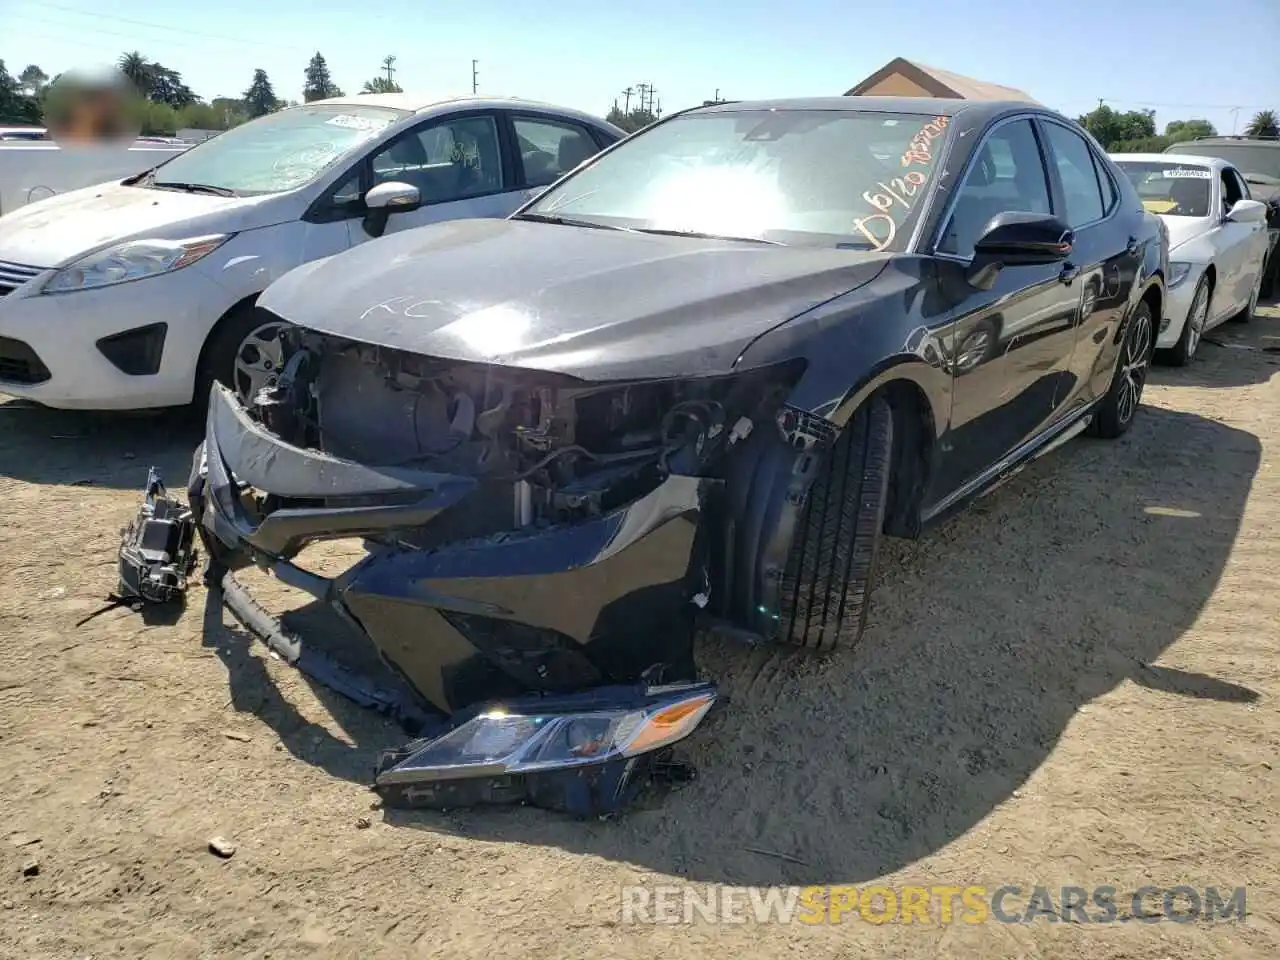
(1132, 53)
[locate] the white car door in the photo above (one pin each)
(1255, 249)
(1234, 242)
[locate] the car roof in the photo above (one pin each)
(425, 102)
(1225, 141)
(976, 110)
(1216, 162)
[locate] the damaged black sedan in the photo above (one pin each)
(690, 385)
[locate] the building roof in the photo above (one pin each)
(941, 83)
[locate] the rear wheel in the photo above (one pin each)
(827, 582)
(1115, 415)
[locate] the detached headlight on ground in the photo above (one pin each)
(1177, 273)
(584, 753)
(132, 260)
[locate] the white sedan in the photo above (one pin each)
(1217, 243)
(141, 293)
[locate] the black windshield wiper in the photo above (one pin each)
(698, 235)
(565, 221)
(193, 188)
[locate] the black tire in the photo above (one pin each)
(1184, 351)
(1116, 413)
(826, 587)
(217, 361)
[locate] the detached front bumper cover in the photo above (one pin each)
(550, 666)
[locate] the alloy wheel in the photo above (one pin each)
(259, 359)
(1196, 319)
(1133, 373)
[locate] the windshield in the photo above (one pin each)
(278, 152)
(835, 177)
(1171, 188)
(1248, 158)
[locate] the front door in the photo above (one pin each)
(1009, 347)
(458, 167)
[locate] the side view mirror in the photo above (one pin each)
(385, 199)
(1247, 211)
(1016, 238)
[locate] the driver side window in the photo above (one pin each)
(449, 160)
(1007, 174)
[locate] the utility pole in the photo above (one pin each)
(475, 77)
(626, 103)
(388, 64)
(717, 94)
(644, 98)
(1235, 119)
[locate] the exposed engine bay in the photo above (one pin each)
(546, 448)
(538, 556)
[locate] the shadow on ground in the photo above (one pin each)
(986, 638)
(111, 450)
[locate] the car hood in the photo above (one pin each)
(590, 303)
(50, 232)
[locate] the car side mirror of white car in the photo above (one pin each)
(1247, 211)
(385, 199)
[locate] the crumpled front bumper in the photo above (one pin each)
(547, 610)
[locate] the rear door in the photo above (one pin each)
(547, 147)
(1104, 258)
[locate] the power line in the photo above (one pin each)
(151, 24)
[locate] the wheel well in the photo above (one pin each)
(1156, 302)
(913, 437)
(1212, 275)
(244, 304)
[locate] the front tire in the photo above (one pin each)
(1184, 351)
(1120, 406)
(826, 586)
(244, 353)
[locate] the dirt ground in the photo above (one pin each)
(1074, 682)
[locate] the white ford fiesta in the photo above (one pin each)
(141, 293)
(1217, 243)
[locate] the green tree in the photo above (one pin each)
(1263, 124)
(166, 86)
(33, 80)
(319, 85)
(230, 112)
(1179, 130)
(381, 85)
(1110, 127)
(136, 68)
(15, 106)
(630, 122)
(260, 99)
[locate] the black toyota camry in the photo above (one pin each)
(690, 384)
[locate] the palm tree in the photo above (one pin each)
(137, 69)
(1263, 124)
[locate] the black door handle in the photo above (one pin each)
(1069, 272)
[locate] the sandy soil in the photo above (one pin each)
(1075, 682)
